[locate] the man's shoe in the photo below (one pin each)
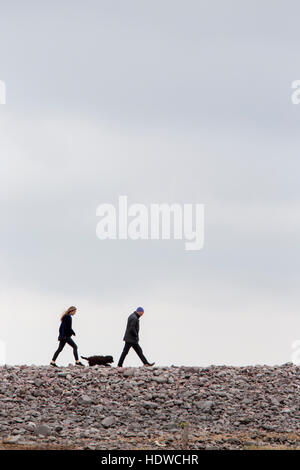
(53, 364)
(150, 364)
(79, 364)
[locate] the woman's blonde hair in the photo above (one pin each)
(70, 309)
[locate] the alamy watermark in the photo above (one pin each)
(295, 97)
(2, 92)
(155, 222)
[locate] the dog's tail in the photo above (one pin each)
(86, 358)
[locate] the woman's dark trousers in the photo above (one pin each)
(62, 345)
(137, 349)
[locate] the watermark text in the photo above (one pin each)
(153, 222)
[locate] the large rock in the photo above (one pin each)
(204, 405)
(85, 400)
(43, 429)
(128, 373)
(108, 421)
(31, 426)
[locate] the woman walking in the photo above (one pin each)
(65, 333)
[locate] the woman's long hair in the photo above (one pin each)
(70, 309)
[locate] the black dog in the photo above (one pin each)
(99, 360)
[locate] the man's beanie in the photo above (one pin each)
(140, 309)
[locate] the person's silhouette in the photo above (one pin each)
(131, 338)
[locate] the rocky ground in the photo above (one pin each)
(216, 407)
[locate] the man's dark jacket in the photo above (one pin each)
(65, 329)
(132, 329)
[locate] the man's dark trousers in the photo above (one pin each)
(137, 349)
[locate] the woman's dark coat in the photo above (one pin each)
(65, 329)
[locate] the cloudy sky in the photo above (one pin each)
(163, 101)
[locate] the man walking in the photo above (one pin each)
(131, 338)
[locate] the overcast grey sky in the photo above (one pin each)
(162, 101)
